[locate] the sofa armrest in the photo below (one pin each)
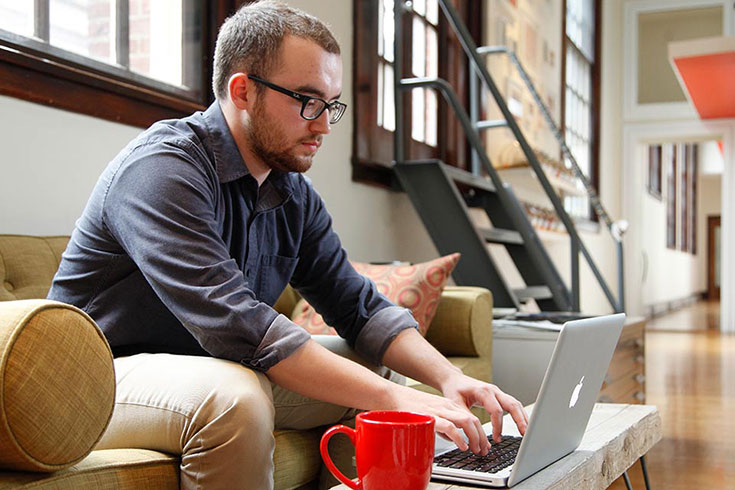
(463, 322)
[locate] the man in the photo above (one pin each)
(191, 234)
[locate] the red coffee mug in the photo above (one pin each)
(394, 450)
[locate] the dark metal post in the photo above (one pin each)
(575, 274)
(621, 277)
(645, 472)
(474, 115)
(398, 150)
(627, 481)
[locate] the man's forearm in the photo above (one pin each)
(318, 373)
(412, 355)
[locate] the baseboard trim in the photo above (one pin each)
(663, 307)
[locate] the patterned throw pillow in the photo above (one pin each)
(416, 287)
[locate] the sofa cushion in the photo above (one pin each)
(417, 287)
(57, 385)
(296, 459)
(28, 264)
(119, 469)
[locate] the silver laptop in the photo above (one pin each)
(559, 418)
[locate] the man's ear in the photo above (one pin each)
(241, 90)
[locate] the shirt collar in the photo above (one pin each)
(228, 160)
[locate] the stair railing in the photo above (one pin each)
(616, 228)
(472, 132)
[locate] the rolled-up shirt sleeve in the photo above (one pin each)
(159, 207)
(348, 301)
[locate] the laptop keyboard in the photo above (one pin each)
(501, 455)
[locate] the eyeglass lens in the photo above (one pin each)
(314, 108)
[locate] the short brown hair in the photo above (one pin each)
(250, 39)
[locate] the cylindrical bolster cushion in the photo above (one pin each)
(57, 385)
(463, 322)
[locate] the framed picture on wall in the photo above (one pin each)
(654, 170)
(670, 154)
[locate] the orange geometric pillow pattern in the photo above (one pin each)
(416, 287)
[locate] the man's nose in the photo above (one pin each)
(321, 124)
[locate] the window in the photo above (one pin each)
(681, 196)
(134, 61)
(684, 210)
(688, 198)
(581, 80)
(425, 63)
(671, 195)
(430, 50)
(654, 171)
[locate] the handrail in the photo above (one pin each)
(471, 51)
(616, 229)
(591, 192)
(502, 190)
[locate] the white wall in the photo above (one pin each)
(669, 274)
(50, 160)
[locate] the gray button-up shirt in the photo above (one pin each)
(178, 250)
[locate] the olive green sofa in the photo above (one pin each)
(57, 383)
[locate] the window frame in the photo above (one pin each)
(35, 71)
(685, 197)
(688, 199)
(372, 152)
(655, 164)
(672, 196)
(595, 95)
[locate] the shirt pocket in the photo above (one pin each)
(274, 275)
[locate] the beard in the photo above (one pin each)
(270, 144)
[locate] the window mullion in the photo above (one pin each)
(193, 66)
(122, 32)
(41, 20)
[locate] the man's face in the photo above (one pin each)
(277, 133)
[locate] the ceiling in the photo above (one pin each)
(706, 71)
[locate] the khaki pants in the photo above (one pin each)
(218, 415)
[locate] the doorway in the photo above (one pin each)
(713, 258)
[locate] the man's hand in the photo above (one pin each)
(410, 354)
(470, 392)
(449, 417)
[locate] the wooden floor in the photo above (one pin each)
(690, 376)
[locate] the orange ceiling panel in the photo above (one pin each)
(706, 70)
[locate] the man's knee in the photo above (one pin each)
(240, 403)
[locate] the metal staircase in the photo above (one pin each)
(443, 195)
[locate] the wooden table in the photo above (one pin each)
(617, 435)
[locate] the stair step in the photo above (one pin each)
(464, 177)
(533, 292)
(498, 235)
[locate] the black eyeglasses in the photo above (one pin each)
(311, 107)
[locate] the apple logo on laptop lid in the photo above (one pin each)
(575, 393)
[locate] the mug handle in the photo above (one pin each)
(323, 448)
